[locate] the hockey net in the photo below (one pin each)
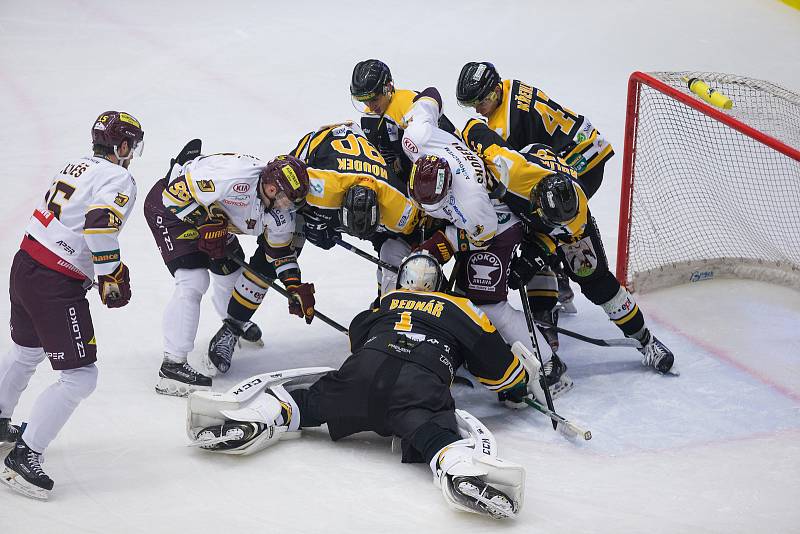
(707, 192)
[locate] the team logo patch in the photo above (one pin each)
(409, 145)
(485, 271)
(121, 200)
(251, 223)
(206, 186)
(241, 187)
(581, 257)
(317, 187)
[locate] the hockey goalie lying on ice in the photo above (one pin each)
(395, 383)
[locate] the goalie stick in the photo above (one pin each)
(281, 291)
(564, 426)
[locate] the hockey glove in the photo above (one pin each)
(523, 268)
(302, 301)
(439, 247)
(115, 288)
(320, 229)
(213, 237)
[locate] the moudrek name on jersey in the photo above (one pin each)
(348, 164)
(432, 306)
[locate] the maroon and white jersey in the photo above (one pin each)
(227, 183)
(468, 206)
(75, 229)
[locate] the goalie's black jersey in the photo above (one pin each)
(527, 116)
(439, 332)
(386, 132)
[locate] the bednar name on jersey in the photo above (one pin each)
(75, 229)
(227, 184)
(340, 157)
(527, 116)
(440, 332)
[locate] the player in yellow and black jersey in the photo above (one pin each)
(544, 192)
(523, 115)
(350, 185)
(385, 112)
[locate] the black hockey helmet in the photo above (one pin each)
(476, 81)
(370, 79)
(419, 271)
(555, 200)
(360, 214)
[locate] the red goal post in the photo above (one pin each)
(709, 192)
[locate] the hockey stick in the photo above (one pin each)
(564, 426)
(281, 291)
(615, 342)
(526, 307)
(367, 256)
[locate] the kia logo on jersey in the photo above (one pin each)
(410, 146)
(241, 187)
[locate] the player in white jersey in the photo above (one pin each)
(71, 238)
(194, 214)
(449, 182)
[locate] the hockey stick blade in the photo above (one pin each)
(566, 427)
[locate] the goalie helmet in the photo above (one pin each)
(555, 200)
(111, 128)
(289, 175)
(475, 82)
(420, 271)
(360, 213)
(429, 182)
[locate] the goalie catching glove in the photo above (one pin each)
(115, 288)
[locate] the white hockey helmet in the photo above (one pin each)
(420, 271)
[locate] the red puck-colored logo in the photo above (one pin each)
(241, 187)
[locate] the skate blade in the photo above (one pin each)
(16, 482)
(672, 372)
(493, 510)
(564, 385)
(567, 307)
(173, 388)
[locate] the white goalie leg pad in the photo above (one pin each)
(261, 400)
(494, 487)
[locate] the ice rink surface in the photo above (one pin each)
(714, 450)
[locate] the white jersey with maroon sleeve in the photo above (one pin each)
(227, 183)
(468, 206)
(81, 216)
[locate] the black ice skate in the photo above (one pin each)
(473, 493)
(228, 436)
(555, 374)
(8, 433)
(23, 472)
(656, 354)
(222, 345)
(180, 379)
(251, 333)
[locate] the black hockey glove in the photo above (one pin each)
(320, 228)
(524, 267)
